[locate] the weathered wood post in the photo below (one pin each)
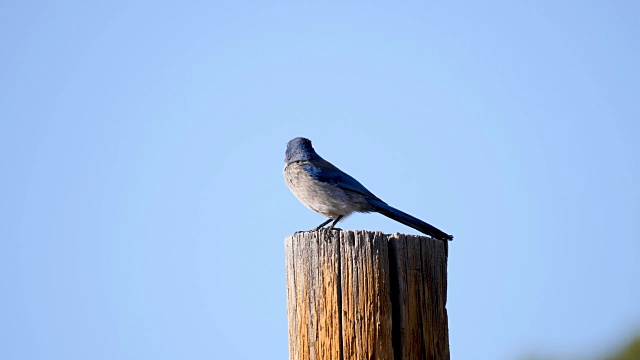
(366, 295)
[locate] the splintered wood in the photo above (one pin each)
(366, 295)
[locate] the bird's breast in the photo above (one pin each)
(322, 197)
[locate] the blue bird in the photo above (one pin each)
(329, 191)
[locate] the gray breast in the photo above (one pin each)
(326, 199)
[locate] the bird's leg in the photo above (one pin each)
(323, 224)
(335, 222)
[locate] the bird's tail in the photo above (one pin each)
(409, 220)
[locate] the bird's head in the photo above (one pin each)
(299, 149)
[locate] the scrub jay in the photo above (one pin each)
(327, 190)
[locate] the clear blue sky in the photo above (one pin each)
(142, 205)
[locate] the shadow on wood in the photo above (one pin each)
(366, 295)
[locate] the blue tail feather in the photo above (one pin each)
(409, 220)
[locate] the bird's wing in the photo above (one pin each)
(324, 171)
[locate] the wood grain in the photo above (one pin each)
(366, 295)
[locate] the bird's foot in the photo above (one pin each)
(326, 229)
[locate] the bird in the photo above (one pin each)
(331, 192)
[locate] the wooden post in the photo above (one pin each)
(366, 295)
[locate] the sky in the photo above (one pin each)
(142, 204)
